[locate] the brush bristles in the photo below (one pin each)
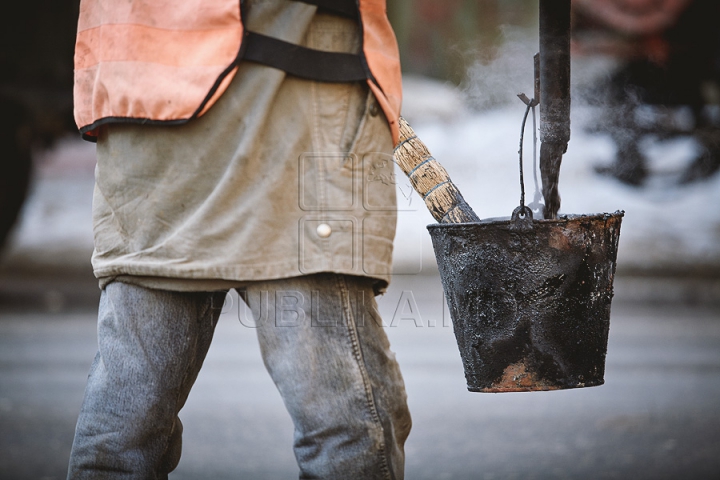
(430, 180)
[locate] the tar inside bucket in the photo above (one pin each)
(530, 299)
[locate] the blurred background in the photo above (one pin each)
(645, 139)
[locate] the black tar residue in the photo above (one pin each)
(535, 294)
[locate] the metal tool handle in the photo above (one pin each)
(430, 180)
(555, 23)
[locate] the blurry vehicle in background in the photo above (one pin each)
(37, 39)
(667, 84)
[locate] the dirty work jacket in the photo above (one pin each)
(168, 61)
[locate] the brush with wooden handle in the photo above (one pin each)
(430, 180)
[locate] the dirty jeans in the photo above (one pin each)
(321, 340)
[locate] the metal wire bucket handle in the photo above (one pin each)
(523, 215)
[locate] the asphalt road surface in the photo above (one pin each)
(657, 416)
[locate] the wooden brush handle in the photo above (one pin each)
(430, 180)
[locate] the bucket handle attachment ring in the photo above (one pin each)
(522, 218)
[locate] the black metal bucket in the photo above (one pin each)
(530, 299)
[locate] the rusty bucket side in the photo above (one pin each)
(530, 300)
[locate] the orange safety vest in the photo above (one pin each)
(162, 62)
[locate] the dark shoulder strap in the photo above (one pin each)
(345, 8)
(303, 62)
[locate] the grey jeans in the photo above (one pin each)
(321, 341)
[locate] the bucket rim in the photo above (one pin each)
(562, 219)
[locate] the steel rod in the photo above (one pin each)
(554, 96)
